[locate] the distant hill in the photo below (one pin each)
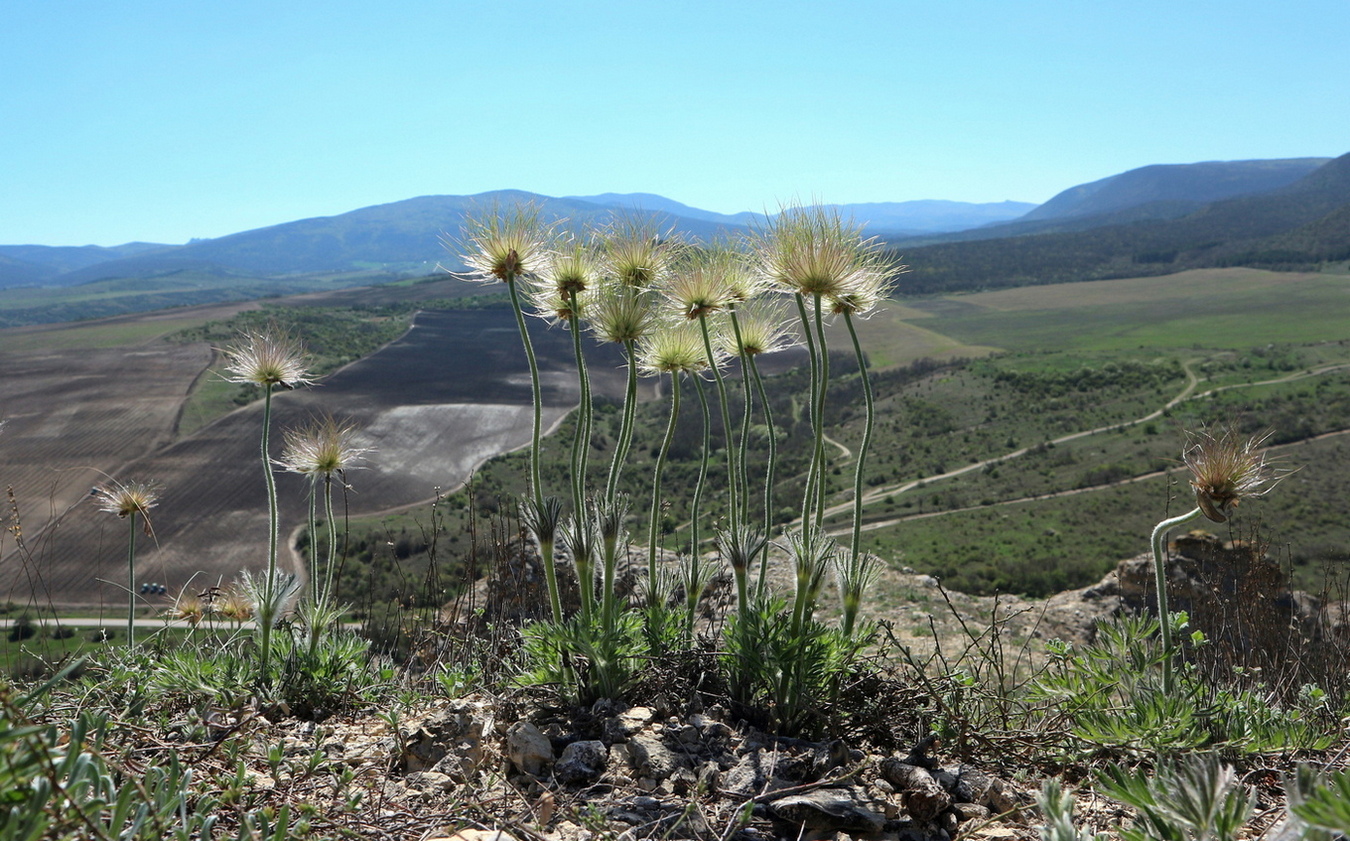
(402, 237)
(1196, 184)
(890, 218)
(1126, 212)
(1296, 225)
(34, 264)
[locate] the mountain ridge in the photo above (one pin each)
(401, 238)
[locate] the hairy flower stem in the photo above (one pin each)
(818, 416)
(655, 514)
(696, 509)
(582, 440)
(809, 497)
(546, 546)
(861, 457)
(313, 542)
(267, 610)
(536, 486)
(131, 583)
(768, 475)
(625, 441)
(331, 558)
(1160, 579)
(733, 470)
(745, 420)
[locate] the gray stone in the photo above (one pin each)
(528, 749)
(923, 798)
(430, 781)
(449, 741)
(582, 762)
(970, 812)
(651, 758)
(623, 726)
(829, 810)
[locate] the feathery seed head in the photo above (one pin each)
(504, 244)
(573, 269)
(702, 285)
(267, 357)
(1225, 470)
(553, 304)
(235, 606)
(812, 251)
(621, 313)
(672, 348)
(323, 448)
(764, 328)
(866, 290)
(125, 499)
(638, 253)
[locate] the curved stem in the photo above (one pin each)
(697, 505)
(768, 476)
(655, 514)
(266, 615)
(625, 426)
(536, 487)
(809, 497)
(1160, 579)
(581, 441)
(819, 415)
(131, 584)
(332, 538)
(733, 471)
(861, 457)
(313, 541)
(745, 422)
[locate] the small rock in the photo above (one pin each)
(623, 726)
(430, 781)
(528, 748)
(922, 796)
(970, 812)
(582, 762)
(651, 758)
(716, 731)
(827, 809)
(476, 835)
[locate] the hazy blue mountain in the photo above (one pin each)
(1160, 192)
(932, 215)
(404, 237)
(36, 264)
(1198, 183)
(906, 217)
(652, 203)
(1296, 226)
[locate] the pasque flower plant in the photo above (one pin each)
(269, 359)
(129, 500)
(1224, 469)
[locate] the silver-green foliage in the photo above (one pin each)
(1113, 695)
(57, 782)
(1199, 799)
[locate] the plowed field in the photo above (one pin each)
(452, 392)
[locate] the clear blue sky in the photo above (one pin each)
(162, 120)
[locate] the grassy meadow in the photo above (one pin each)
(1013, 370)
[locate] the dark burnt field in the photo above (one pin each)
(452, 392)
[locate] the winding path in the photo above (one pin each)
(1187, 393)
